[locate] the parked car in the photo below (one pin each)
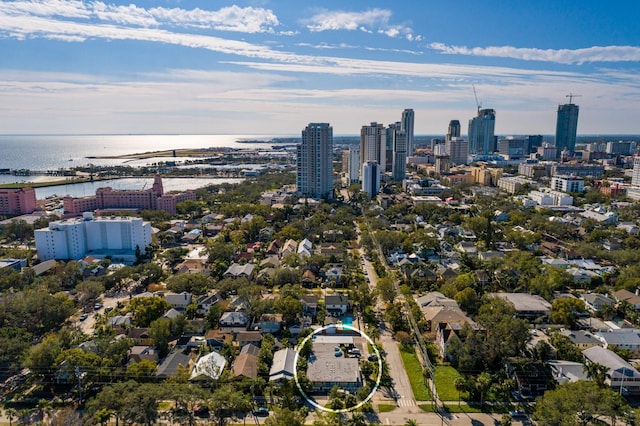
(84, 317)
(517, 414)
(261, 412)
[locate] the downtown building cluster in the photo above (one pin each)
(384, 152)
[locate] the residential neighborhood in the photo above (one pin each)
(475, 302)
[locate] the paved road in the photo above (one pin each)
(403, 394)
(87, 326)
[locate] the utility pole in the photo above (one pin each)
(79, 377)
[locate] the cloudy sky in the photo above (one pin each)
(267, 66)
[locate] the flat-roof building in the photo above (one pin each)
(118, 237)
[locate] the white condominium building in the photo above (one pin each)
(117, 237)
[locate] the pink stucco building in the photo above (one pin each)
(153, 198)
(17, 201)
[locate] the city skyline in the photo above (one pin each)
(193, 68)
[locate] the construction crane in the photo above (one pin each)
(478, 104)
(571, 96)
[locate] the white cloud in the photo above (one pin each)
(563, 56)
(231, 18)
(369, 21)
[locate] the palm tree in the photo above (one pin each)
(43, 408)
(411, 422)
(483, 381)
(596, 372)
(11, 413)
(461, 384)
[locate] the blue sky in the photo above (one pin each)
(183, 66)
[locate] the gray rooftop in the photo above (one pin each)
(525, 302)
(616, 365)
(625, 337)
(283, 364)
(336, 369)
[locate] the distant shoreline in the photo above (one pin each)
(183, 152)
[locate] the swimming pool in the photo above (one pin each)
(347, 320)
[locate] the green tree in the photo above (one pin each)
(290, 308)
(11, 413)
(191, 283)
(147, 309)
(596, 372)
(574, 403)
(483, 383)
(506, 420)
(285, 416)
(142, 371)
(566, 310)
(386, 289)
(467, 300)
(160, 331)
(505, 335)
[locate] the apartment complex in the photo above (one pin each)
(314, 167)
(17, 201)
(153, 198)
(107, 236)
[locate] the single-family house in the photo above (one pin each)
(248, 337)
(622, 338)
(240, 271)
(630, 227)
(193, 266)
(234, 319)
(207, 301)
(217, 338)
(625, 295)
(309, 305)
(289, 247)
(169, 366)
(596, 301)
(435, 298)
(140, 336)
(172, 314)
(140, 353)
(246, 363)
(208, 366)
(531, 379)
(621, 376)
(270, 323)
(566, 371)
(528, 306)
(337, 304)
(435, 315)
(305, 248)
(179, 301)
(283, 365)
(581, 338)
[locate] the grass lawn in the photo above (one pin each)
(414, 371)
(385, 408)
(445, 378)
(463, 408)
(430, 407)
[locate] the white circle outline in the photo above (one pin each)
(322, 407)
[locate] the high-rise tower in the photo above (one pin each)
(566, 128)
(399, 163)
(453, 131)
(373, 145)
(315, 154)
(407, 123)
(481, 133)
